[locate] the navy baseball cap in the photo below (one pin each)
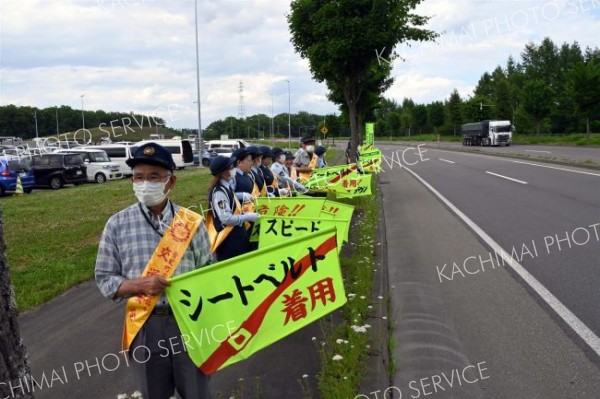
(254, 151)
(320, 150)
(152, 154)
(306, 140)
(289, 155)
(240, 153)
(220, 164)
(275, 152)
(265, 151)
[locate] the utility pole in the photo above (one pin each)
(289, 117)
(36, 127)
(82, 115)
(199, 142)
(56, 121)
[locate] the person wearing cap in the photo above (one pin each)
(282, 173)
(320, 152)
(271, 181)
(243, 184)
(225, 219)
(129, 266)
(306, 161)
(257, 176)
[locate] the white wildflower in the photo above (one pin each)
(337, 357)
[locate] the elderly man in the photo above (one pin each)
(141, 247)
(305, 160)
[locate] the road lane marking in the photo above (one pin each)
(579, 327)
(547, 152)
(506, 177)
(557, 168)
(445, 160)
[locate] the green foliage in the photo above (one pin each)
(349, 45)
(549, 89)
(20, 121)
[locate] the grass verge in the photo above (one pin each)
(346, 349)
(52, 236)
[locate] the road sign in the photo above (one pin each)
(324, 130)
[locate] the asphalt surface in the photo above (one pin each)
(584, 156)
(442, 324)
(488, 327)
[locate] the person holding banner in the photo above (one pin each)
(282, 173)
(243, 184)
(320, 152)
(257, 176)
(140, 249)
(305, 160)
(225, 219)
(270, 180)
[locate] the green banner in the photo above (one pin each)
(264, 295)
(369, 134)
(355, 187)
(276, 229)
(331, 178)
(307, 207)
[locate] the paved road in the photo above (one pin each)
(450, 322)
(585, 156)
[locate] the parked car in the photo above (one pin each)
(57, 169)
(10, 170)
(99, 166)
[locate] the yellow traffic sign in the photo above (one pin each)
(324, 130)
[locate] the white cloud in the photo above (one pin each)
(139, 55)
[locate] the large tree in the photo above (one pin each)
(454, 107)
(345, 40)
(13, 359)
(584, 83)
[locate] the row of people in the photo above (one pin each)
(130, 249)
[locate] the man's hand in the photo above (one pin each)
(152, 285)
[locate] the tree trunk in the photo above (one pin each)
(538, 127)
(14, 370)
(352, 115)
(587, 127)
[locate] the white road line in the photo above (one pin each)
(506, 177)
(557, 168)
(547, 152)
(583, 331)
(445, 160)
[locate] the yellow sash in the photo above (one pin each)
(164, 261)
(217, 238)
(312, 164)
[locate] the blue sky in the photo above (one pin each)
(139, 55)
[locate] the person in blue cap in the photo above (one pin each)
(320, 152)
(282, 172)
(226, 211)
(129, 240)
(257, 176)
(243, 183)
(271, 181)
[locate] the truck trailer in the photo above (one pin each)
(487, 133)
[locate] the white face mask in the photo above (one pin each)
(281, 158)
(150, 194)
(310, 148)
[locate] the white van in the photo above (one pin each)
(181, 150)
(225, 147)
(118, 153)
(99, 166)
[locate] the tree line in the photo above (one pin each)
(20, 121)
(550, 89)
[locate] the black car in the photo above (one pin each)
(56, 170)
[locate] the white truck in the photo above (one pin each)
(488, 133)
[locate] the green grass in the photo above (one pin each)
(341, 378)
(52, 237)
